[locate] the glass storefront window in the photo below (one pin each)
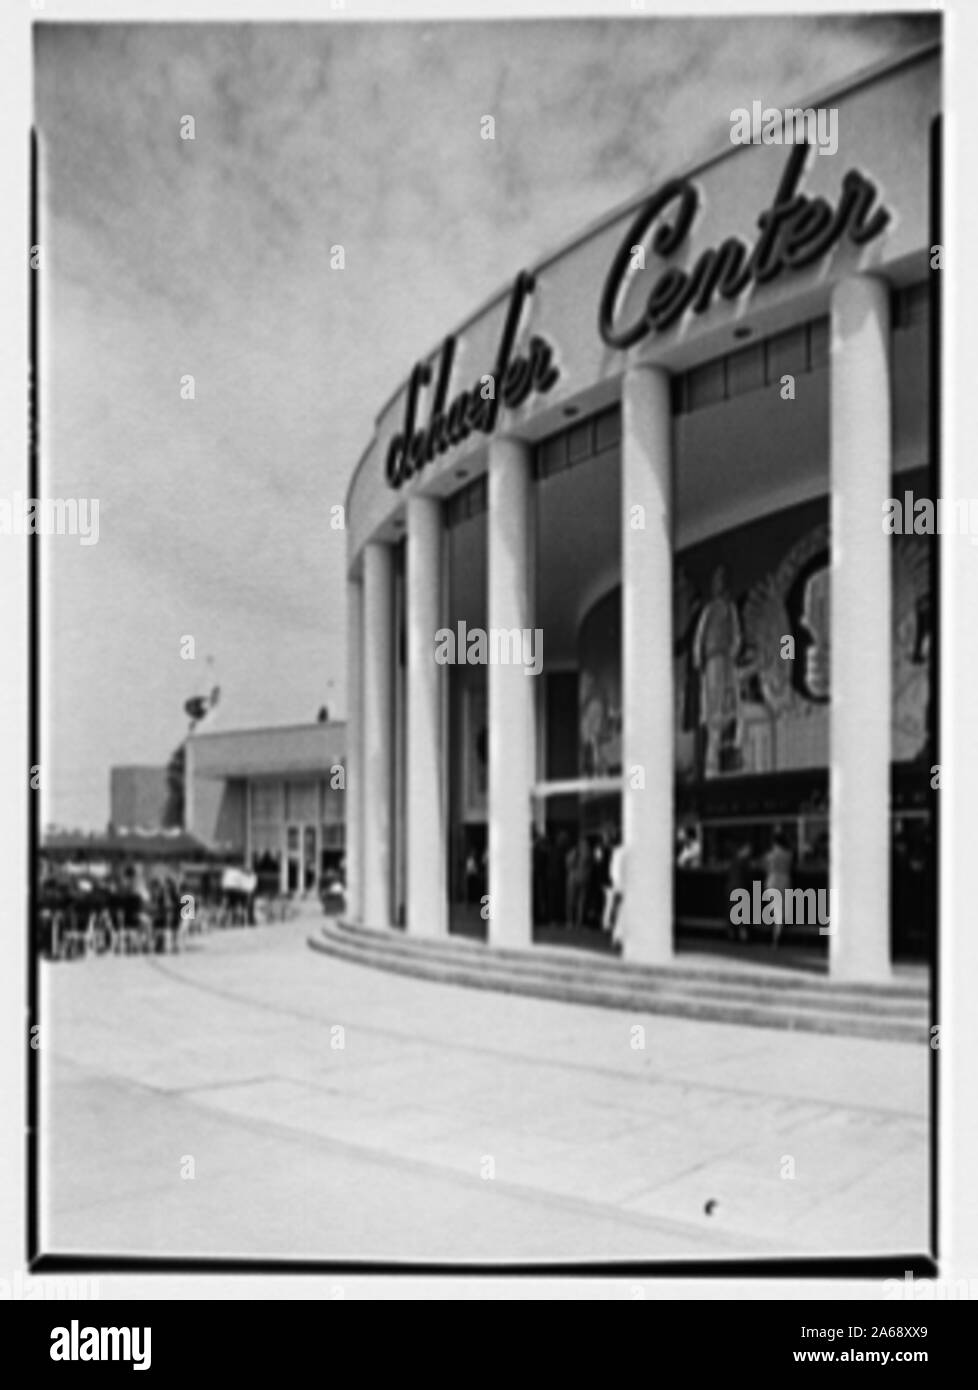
(818, 355)
(579, 442)
(607, 429)
(266, 801)
(745, 370)
(331, 803)
(707, 385)
(266, 835)
(787, 353)
(302, 800)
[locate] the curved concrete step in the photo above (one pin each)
(702, 974)
(764, 999)
(455, 948)
(575, 969)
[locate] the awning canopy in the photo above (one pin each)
(133, 844)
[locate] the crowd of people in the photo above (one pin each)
(136, 906)
(578, 880)
(581, 884)
(95, 908)
(577, 883)
(772, 869)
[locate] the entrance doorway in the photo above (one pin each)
(576, 825)
(301, 858)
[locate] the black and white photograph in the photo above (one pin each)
(483, 531)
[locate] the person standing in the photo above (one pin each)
(690, 849)
(158, 917)
(778, 878)
(592, 883)
(471, 877)
(540, 856)
(556, 881)
(171, 909)
(251, 890)
(575, 884)
(739, 880)
(613, 892)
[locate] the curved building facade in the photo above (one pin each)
(617, 560)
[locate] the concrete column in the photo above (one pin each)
(399, 803)
(647, 676)
(377, 746)
(427, 884)
(353, 796)
(861, 465)
(511, 697)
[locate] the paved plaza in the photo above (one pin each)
(251, 1097)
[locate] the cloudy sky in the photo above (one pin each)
(210, 257)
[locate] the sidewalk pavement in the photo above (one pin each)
(250, 1097)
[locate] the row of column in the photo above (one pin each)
(860, 427)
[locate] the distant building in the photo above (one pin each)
(137, 797)
(272, 797)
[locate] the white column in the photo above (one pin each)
(399, 803)
(647, 673)
(377, 746)
(861, 471)
(511, 697)
(427, 884)
(353, 795)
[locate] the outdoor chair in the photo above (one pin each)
(200, 921)
(85, 931)
(132, 928)
(167, 927)
(52, 925)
